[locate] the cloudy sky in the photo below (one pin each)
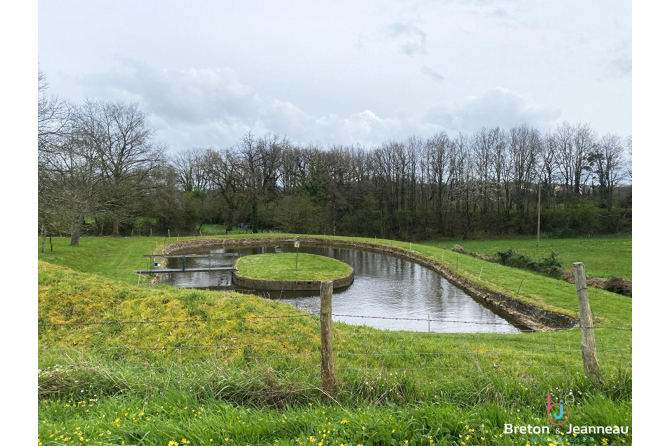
(343, 72)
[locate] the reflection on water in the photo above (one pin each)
(384, 286)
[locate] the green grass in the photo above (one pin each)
(178, 417)
(283, 267)
(115, 258)
(602, 257)
(262, 369)
(221, 230)
(252, 375)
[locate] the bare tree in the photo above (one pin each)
(563, 140)
(69, 181)
(545, 168)
(584, 142)
(224, 171)
(260, 160)
(482, 160)
(53, 115)
(502, 168)
(123, 141)
(54, 133)
(629, 161)
(525, 147)
(440, 157)
(191, 169)
(607, 161)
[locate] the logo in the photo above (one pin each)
(555, 416)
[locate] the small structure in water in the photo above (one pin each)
(266, 272)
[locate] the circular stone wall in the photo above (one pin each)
(276, 272)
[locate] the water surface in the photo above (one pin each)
(384, 287)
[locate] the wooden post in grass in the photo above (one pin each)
(327, 359)
(539, 194)
(589, 357)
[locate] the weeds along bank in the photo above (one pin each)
(603, 256)
(127, 347)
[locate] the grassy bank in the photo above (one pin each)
(116, 258)
(602, 256)
(164, 364)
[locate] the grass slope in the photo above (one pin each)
(116, 258)
(602, 257)
(227, 366)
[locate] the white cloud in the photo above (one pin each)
(411, 40)
(212, 107)
(432, 75)
(621, 64)
(497, 107)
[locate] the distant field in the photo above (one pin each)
(221, 230)
(602, 257)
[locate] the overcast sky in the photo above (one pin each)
(343, 72)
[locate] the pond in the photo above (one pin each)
(387, 293)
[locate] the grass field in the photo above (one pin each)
(239, 369)
(602, 257)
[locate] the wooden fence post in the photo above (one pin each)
(589, 357)
(327, 359)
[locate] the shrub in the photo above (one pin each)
(549, 265)
(619, 286)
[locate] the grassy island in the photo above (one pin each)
(278, 267)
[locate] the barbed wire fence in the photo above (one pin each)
(556, 352)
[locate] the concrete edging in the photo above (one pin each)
(288, 285)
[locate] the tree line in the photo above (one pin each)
(102, 171)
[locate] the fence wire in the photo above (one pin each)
(533, 353)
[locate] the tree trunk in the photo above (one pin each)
(539, 195)
(115, 228)
(76, 232)
(44, 237)
(254, 215)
